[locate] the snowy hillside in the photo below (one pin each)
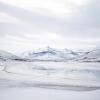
(6, 55)
(50, 54)
(69, 54)
(91, 56)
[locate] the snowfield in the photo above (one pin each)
(52, 73)
(46, 94)
(46, 80)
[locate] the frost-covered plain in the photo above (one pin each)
(52, 73)
(46, 94)
(49, 80)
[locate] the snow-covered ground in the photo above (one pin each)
(52, 73)
(49, 80)
(46, 94)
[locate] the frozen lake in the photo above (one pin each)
(59, 75)
(49, 81)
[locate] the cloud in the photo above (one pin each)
(37, 23)
(85, 24)
(78, 21)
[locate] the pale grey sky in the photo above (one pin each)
(29, 24)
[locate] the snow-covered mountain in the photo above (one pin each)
(49, 53)
(52, 54)
(6, 55)
(91, 56)
(69, 54)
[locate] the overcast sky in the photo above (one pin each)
(29, 24)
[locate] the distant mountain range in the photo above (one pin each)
(4, 55)
(90, 56)
(52, 54)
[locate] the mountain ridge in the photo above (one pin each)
(53, 54)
